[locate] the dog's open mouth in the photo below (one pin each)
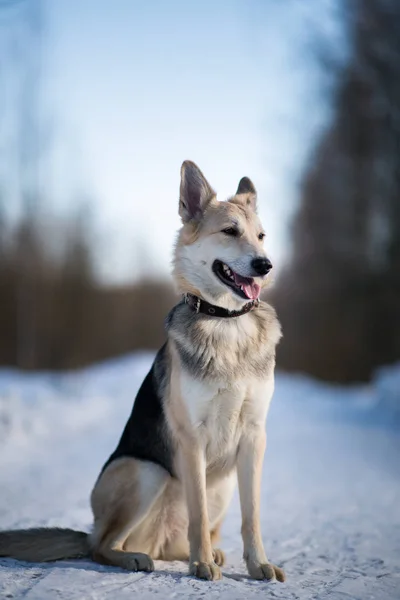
(245, 287)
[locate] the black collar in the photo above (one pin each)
(199, 305)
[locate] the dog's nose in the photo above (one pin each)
(261, 265)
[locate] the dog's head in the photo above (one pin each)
(219, 253)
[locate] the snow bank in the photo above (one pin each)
(387, 389)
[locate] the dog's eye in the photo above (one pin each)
(230, 231)
(261, 236)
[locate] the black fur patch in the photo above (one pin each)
(146, 435)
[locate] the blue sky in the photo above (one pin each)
(136, 87)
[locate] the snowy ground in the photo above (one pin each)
(331, 489)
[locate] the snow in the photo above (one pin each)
(330, 495)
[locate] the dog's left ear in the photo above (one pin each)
(248, 191)
(195, 192)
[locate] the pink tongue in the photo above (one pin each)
(249, 286)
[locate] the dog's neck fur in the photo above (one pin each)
(220, 349)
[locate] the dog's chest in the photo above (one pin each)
(220, 414)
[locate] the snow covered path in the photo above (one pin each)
(331, 490)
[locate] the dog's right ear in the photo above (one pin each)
(195, 192)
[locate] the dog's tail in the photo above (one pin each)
(43, 544)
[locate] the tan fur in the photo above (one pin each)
(217, 216)
(215, 408)
(126, 526)
(121, 501)
(215, 534)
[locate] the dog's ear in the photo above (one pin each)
(195, 192)
(248, 191)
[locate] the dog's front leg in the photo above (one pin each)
(193, 471)
(249, 467)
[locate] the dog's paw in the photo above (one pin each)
(137, 561)
(219, 557)
(265, 571)
(205, 570)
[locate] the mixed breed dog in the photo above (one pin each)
(198, 421)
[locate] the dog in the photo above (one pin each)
(198, 421)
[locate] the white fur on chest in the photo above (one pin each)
(219, 414)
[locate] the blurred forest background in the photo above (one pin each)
(338, 295)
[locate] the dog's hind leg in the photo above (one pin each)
(219, 496)
(122, 501)
(218, 554)
(178, 548)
